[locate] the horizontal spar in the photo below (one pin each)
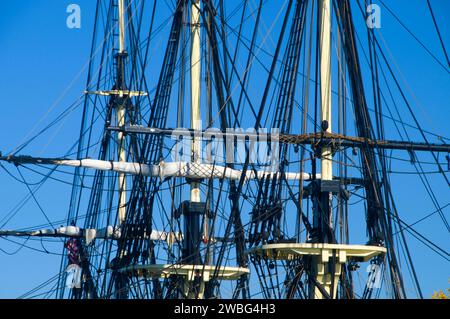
(305, 139)
(109, 232)
(162, 169)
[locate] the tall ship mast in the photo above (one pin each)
(210, 164)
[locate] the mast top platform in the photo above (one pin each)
(188, 271)
(322, 255)
(289, 251)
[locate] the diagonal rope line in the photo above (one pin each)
(438, 32)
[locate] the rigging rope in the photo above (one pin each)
(439, 33)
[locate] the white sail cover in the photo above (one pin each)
(178, 169)
(108, 232)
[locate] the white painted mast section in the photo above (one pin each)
(196, 68)
(195, 90)
(120, 112)
(326, 157)
(325, 84)
(121, 26)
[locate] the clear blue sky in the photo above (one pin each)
(41, 59)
